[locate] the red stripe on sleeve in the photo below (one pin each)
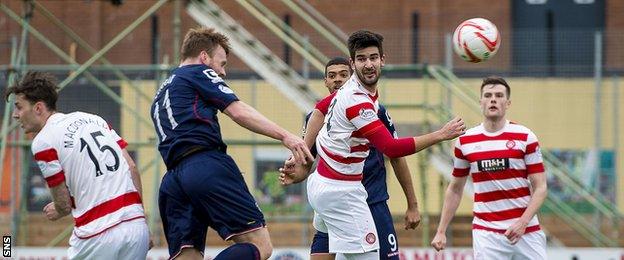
(55, 179)
(122, 143)
(46, 155)
(457, 172)
(370, 128)
(500, 215)
(354, 111)
(535, 168)
(531, 148)
(459, 154)
(501, 194)
(323, 105)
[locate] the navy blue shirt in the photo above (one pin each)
(184, 112)
(374, 172)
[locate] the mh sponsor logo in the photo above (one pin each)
(493, 165)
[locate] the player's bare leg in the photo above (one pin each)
(373, 255)
(260, 238)
(189, 253)
(323, 257)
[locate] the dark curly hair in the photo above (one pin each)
(36, 86)
(364, 39)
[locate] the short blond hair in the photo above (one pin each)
(203, 39)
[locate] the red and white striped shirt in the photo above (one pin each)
(341, 142)
(499, 164)
(82, 150)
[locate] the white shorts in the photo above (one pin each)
(128, 240)
(342, 212)
(492, 245)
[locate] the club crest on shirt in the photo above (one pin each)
(371, 238)
(510, 144)
(367, 114)
(493, 165)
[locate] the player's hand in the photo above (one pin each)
(439, 241)
(412, 218)
(515, 232)
(452, 129)
(50, 212)
(289, 165)
(286, 172)
(299, 149)
(292, 173)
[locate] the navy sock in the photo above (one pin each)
(239, 251)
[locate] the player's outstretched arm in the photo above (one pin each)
(61, 202)
(450, 130)
(380, 137)
(538, 195)
(248, 117)
(452, 197)
(402, 172)
(313, 127)
(291, 172)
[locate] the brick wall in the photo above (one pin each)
(99, 21)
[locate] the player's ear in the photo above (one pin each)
(383, 60)
(38, 107)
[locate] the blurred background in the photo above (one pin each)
(563, 60)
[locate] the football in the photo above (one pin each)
(476, 40)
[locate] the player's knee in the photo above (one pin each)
(189, 254)
(265, 247)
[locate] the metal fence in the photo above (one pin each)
(562, 54)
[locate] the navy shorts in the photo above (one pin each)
(205, 190)
(388, 242)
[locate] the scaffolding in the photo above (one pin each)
(433, 112)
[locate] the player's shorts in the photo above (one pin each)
(492, 245)
(388, 243)
(206, 189)
(343, 214)
(127, 240)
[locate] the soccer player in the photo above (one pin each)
(88, 170)
(335, 190)
(505, 163)
(203, 186)
(338, 71)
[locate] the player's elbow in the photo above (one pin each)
(542, 190)
(396, 148)
(237, 111)
(392, 153)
